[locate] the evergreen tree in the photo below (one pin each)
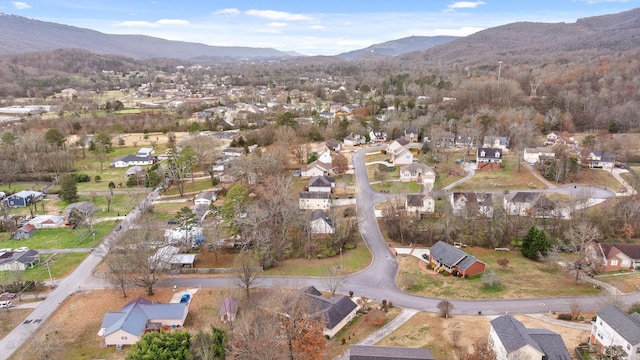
(68, 188)
(162, 346)
(535, 243)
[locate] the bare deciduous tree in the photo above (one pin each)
(445, 307)
(248, 272)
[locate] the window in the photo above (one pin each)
(614, 262)
(625, 262)
(123, 338)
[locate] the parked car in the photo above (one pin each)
(7, 296)
(185, 299)
(5, 304)
(22, 249)
(172, 222)
(425, 256)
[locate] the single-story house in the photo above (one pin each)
(131, 160)
(510, 339)
(168, 257)
(535, 155)
(46, 221)
(314, 200)
(233, 151)
(620, 256)
(377, 136)
(320, 223)
(375, 352)
(454, 260)
(354, 140)
(470, 204)
(205, 198)
(182, 236)
(322, 184)
(24, 232)
(420, 173)
(598, 159)
(126, 327)
(18, 260)
(86, 208)
(615, 327)
(134, 170)
(336, 312)
(489, 158)
(524, 203)
(419, 203)
(22, 198)
(145, 152)
(333, 145)
(496, 142)
(228, 309)
(316, 168)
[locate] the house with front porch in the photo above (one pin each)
(420, 173)
(488, 158)
(454, 260)
(619, 256)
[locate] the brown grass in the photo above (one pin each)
(625, 282)
(12, 317)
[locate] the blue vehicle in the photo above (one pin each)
(185, 299)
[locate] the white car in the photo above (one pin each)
(22, 249)
(5, 304)
(6, 250)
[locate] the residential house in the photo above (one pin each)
(354, 140)
(325, 156)
(454, 260)
(524, 203)
(145, 152)
(511, 340)
(446, 140)
(205, 198)
(615, 327)
(23, 198)
(374, 352)
(402, 157)
(228, 309)
(489, 158)
(419, 204)
(18, 260)
(336, 312)
(411, 135)
(126, 327)
(539, 154)
(314, 200)
(551, 138)
(320, 223)
(85, 208)
(496, 142)
(233, 152)
(464, 140)
(168, 257)
(333, 145)
(24, 232)
(620, 256)
(420, 173)
(469, 204)
(134, 170)
(322, 184)
(396, 145)
(598, 159)
(316, 168)
(377, 136)
(46, 221)
(184, 237)
(132, 160)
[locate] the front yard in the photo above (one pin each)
(523, 278)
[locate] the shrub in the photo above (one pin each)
(565, 316)
(81, 177)
(97, 178)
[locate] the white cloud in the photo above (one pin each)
(277, 15)
(268, 31)
(178, 22)
(157, 24)
(277, 24)
(20, 5)
(228, 11)
(318, 27)
(465, 5)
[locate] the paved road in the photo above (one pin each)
(65, 287)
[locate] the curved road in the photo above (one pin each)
(376, 281)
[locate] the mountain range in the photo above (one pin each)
(516, 42)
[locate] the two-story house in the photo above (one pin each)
(615, 327)
(489, 158)
(511, 340)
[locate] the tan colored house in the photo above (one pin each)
(420, 173)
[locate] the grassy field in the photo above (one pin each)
(60, 238)
(60, 265)
(397, 187)
(523, 278)
(191, 187)
(599, 177)
(506, 178)
(352, 261)
(625, 281)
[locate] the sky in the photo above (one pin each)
(326, 27)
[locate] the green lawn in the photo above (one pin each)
(60, 238)
(189, 187)
(61, 265)
(352, 261)
(523, 278)
(120, 204)
(397, 187)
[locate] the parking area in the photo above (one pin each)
(180, 295)
(417, 252)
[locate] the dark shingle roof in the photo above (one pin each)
(631, 250)
(451, 256)
(320, 214)
(628, 326)
(551, 344)
(415, 199)
(512, 334)
(333, 310)
(366, 352)
(314, 195)
(321, 181)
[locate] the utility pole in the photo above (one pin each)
(499, 72)
(49, 270)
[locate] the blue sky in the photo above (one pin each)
(325, 27)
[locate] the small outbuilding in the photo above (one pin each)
(228, 309)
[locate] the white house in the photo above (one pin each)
(322, 184)
(420, 173)
(354, 140)
(18, 260)
(205, 198)
(145, 152)
(488, 157)
(419, 203)
(615, 327)
(336, 312)
(470, 204)
(377, 136)
(314, 200)
(182, 236)
(524, 203)
(496, 142)
(402, 157)
(316, 168)
(511, 340)
(320, 223)
(325, 156)
(131, 160)
(534, 155)
(46, 221)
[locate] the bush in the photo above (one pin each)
(564, 316)
(81, 177)
(97, 178)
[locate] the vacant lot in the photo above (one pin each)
(522, 278)
(626, 282)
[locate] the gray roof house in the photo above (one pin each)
(372, 352)
(86, 208)
(18, 260)
(337, 311)
(511, 339)
(615, 327)
(126, 327)
(454, 260)
(496, 142)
